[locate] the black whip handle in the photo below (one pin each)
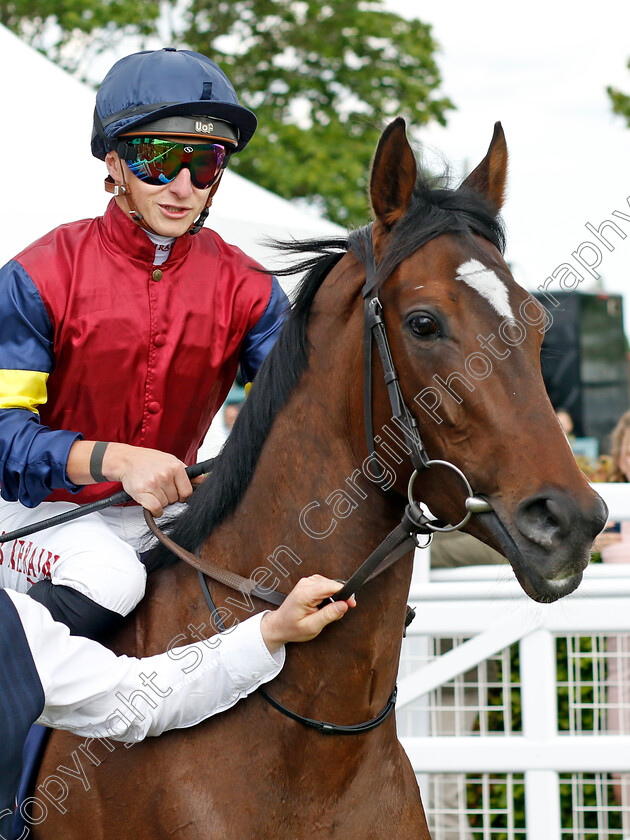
(118, 498)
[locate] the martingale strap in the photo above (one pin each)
(327, 728)
(323, 726)
(396, 544)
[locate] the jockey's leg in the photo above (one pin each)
(84, 571)
(88, 575)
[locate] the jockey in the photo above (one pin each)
(120, 337)
(74, 683)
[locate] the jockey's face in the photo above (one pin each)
(168, 209)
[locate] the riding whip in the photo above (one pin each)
(118, 498)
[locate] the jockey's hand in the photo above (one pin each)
(298, 618)
(152, 478)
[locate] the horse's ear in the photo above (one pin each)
(490, 177)
(393, 174)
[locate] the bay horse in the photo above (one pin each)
(299, 488)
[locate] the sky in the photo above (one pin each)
(541, 68)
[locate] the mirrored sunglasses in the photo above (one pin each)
(159, 161)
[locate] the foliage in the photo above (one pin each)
(322, 78)
(581, 675)
(72, 33)
(600, 470)
(620, 101)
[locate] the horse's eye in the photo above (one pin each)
(423, 325)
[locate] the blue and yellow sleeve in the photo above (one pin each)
(261, 338)
(32, 457)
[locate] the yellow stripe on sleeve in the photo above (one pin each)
(23, 389)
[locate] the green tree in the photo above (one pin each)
(72, 33)
(322, 78)
(620, 101)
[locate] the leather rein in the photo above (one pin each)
(400, 541)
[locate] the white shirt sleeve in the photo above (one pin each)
(91, 691)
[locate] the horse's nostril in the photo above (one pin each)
(557, 514)
(544, 520)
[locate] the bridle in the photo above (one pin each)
(400, 541)
(414, 522)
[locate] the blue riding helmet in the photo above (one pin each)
(147, 86)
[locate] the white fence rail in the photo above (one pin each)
(564, 777)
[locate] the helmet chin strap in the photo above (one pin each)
(196, 227)
(123, 190)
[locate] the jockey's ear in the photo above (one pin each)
(114, 167)
(490, 177)
(393, 175)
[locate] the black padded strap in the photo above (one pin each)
(367, 393)
(370, 276)
(82, 615)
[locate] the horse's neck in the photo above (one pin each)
(310, 508)
(310, 492)
(273, 538)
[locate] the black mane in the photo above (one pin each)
(233, 469)
(433, 210)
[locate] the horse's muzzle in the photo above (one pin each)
(549, 540)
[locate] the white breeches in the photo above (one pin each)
(95, 554)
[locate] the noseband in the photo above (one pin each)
(399, 542)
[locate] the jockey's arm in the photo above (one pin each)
(152, 478)
(34, 460)
(157, 479)
(32, 456)
(83, 684)
(264, 334)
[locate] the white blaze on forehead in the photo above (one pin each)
(483, 280)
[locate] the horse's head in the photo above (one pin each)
(466, 341)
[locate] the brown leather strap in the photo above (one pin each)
(123, 190)
(207, 567)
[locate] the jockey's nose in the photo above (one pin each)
(181, 186)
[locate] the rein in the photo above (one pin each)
(322, 726)
(400, 541)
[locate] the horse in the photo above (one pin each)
(309, 482)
